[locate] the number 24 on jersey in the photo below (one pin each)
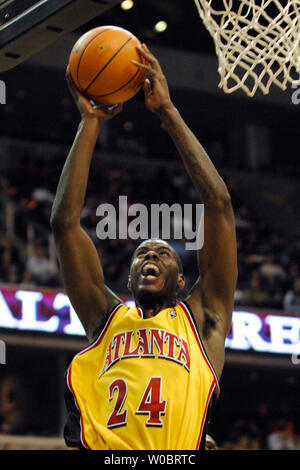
(150, 404)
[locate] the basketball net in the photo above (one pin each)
(256, 41)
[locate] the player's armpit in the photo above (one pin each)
(83, 277)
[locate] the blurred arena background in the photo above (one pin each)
(254, 143)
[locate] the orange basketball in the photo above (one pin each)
(101, 67)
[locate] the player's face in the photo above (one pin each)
(154, 267)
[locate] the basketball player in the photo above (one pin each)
(150, 376)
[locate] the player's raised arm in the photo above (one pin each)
(79, 262)
(211, 298)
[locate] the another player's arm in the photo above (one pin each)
(211, 298)
(78, 258)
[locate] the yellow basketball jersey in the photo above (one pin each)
(144, 384)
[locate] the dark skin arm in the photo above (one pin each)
(78, 258)
(211, 298)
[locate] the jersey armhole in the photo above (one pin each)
(98, 331)
(188, 311)
(209, 414)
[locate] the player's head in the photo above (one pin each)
(155, 273)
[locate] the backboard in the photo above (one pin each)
(27, 26)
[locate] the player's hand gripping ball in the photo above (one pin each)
(101, 68)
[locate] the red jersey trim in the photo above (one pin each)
(211, 390)
(82, 435)
(199, 341)
(140, 312)
(102, 333)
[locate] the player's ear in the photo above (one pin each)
(129, 283)
(180, 281)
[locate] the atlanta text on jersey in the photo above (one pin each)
(151, 341)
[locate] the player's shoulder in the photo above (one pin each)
(117, 310)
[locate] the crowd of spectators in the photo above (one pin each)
(269, 265)
(247, 435)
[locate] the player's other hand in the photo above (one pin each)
(87, 109)
(157, 96)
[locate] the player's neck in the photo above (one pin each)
(152, 311)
